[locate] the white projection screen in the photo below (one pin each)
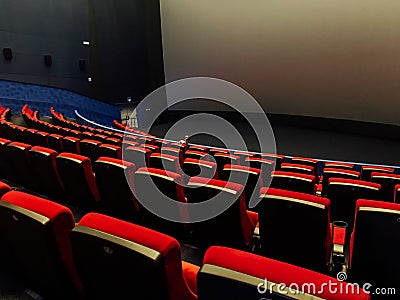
(326, 58)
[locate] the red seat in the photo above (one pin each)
(174, 151)
(18, 164)
(115, 258)
(90, 148)
(37, 234)
(223, 159)
(78, 180)
(233, 274)
(115, 181)
(306, 161)
(387, 182)
(44, 171)
(202, 168)
(71, 144)
(3, 157)
(155, 188)
(298, 168)
(375, 245)
(250, 178)
(367, 170)
(303, 217)
(338, 165)
(295, 182)
(234, 227)
(108, 150)
(328, 173)
(344, 193)
(165, 162)
(277, 158)
(4, 188)
(55, 142)
(140, 156)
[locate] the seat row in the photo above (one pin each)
(101, 257)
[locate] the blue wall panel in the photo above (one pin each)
(15, 95)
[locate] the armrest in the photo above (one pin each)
(338, 256)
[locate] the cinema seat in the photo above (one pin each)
(38, 252)
(250, 178)
(3, 157)
(115, 258)
(234, 227)
(297, 168)
(228, 273)
(302, 217)
(367, 170)
(387, 182)
(113, 141)
(174, 151)
(308, 162)
(243, 156)
(90, 148)
(126, 143)
(344, 194)
(71, 144)
(140, 156)
(223, 159)
(108, 150)
(375, 245)
(165, 162)
(18, 164)
(78, 180)
(195, 167)
(295, 182)
(4, 188)
(266, 165)
(328, 173)
(196, 154)
(44, 171)
(40, 138)
(397, 193)
(339, 165)
(156, 186)
(114, 178)
(277, 158)
(55, 142)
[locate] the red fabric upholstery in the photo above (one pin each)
(175, 176)
(387, 175)
(4, 188)
(239, 168)
(355, 174)
(305, 197)
(369, 203)
(234, 158)
(193, 153)
(170, 162)
(377, 169)
(354, 182)
(247, 222)
(297, 168)
(277, 272)
(4, 142)
(52, 154)
(87, 166)
(397, 193)
(295, 175)
(164, 244)
(62, 219)
(298, 160)
(111, 148)
(338, 165)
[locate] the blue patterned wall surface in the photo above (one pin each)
(14, 95)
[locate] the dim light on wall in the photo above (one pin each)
(86, 43)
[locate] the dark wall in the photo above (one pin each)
(118, 58)
(35, 28)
